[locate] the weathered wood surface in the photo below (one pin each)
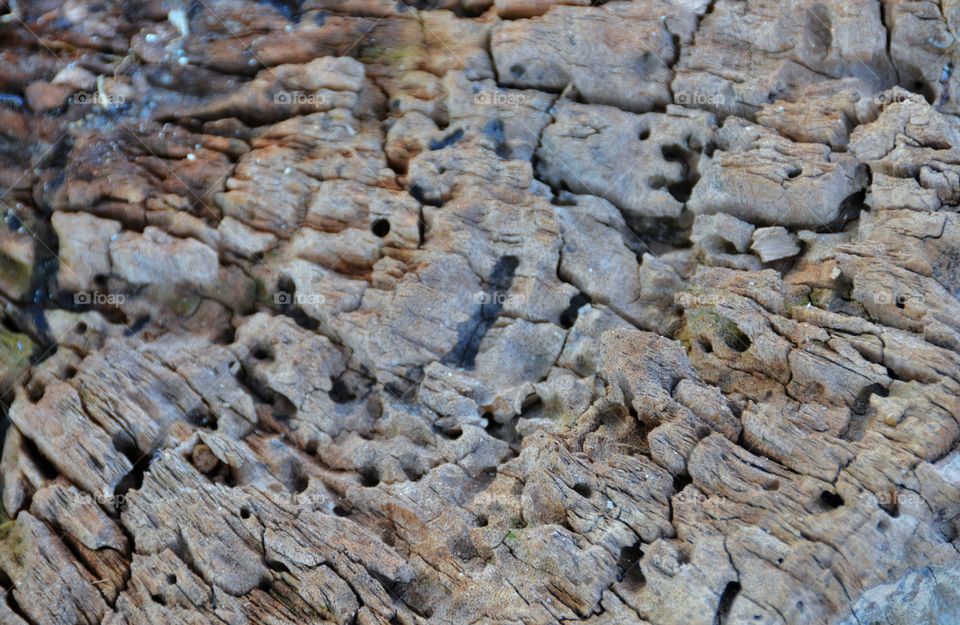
(480, 312)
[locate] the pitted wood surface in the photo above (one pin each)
(479, 312)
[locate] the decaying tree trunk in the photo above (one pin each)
(480, 312)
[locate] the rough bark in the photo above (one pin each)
(475, 311)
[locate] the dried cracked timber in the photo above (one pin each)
(480, 312)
